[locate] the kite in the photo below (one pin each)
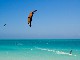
(30, 17)
(4, 24)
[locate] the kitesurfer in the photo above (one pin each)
(71, 52)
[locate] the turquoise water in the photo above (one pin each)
(39, 49)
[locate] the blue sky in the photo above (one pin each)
(54, 19)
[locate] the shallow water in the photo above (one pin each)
(40, 49)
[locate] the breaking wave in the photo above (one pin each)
(54, 51)
(44, 49)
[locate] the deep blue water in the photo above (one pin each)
(45, 43)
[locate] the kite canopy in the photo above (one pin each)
(30, 17)
(34, 10)
(4, 24)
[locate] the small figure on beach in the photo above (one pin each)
(71, 52)
(30, 17)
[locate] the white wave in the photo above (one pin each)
(46, 49)
(57, 52)
(51, 50)
(61, 52)
(42, 48)
(70, 54)
(31, 49)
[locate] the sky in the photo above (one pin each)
(54, 19)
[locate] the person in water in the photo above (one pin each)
(71, 52)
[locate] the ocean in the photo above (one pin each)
(39, 49)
